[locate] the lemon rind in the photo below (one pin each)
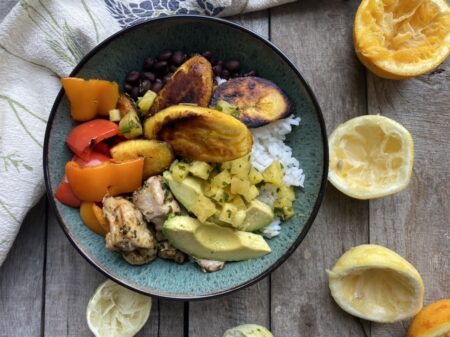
(374, 257)
(365, 194)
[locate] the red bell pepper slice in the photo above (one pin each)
(102, 148)
(65, 195)
(97, 158)
(83, 138)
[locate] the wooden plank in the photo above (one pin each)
(71, 281)
(5, 7)
(21, 278)
(251, 305)
(317, 36)
(414, 222)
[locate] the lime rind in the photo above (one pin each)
(248, 330)
(114, 311)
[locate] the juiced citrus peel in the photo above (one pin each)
(370, 157)
(432, 321)
(114, 311)
(248, 330)
(402, 39)
(375, 283)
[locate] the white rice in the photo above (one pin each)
(268, 145)
(220, 80)
(268, 194)
(273, 229)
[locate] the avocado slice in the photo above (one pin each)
(213, 242)
(186, 191)
(258, 215)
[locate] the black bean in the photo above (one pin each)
(233, 65)
(148, 76)
(144, 87)
(213, 61)
(158, 80)
(217, 69)
(156, 87)
(220, 62)
(166, 78)
(160, 66)
(207, 55)
(148, 63)
(132, 76)
(128, 87)
(165, 55)
(134, 92)
(250, 73)
(225, 74)
(173, 68)
(165, 71)
(178, 57)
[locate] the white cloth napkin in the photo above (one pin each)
(42, 40)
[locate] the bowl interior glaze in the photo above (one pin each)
(126, 51)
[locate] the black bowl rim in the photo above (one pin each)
(308, 223)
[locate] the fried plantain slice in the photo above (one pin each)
(125, 104)
(200, 133)
(258, 101)
(191, 83)
(157, 155)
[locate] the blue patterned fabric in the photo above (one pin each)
(132, 12)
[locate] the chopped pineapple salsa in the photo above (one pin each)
(229, 190)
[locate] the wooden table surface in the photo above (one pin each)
(45, 284)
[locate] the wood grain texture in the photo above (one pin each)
(415, 222)
(211, 318)
(70, 282)
(5, 7)
(316, 35)
(21, 278)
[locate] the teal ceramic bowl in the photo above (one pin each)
(126, 51)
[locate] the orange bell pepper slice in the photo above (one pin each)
(89, 217)
(90, 97)
(93, 183)
(98, 213)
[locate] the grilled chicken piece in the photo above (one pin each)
(169, 252)
(155, 201)
(128, 231)
(210, 266)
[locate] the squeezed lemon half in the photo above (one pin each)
(370, 157)
(399, 39)
(114, 311)
(377, 284)
(432, 321)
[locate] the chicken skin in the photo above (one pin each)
(155, 201)
(128, 233)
